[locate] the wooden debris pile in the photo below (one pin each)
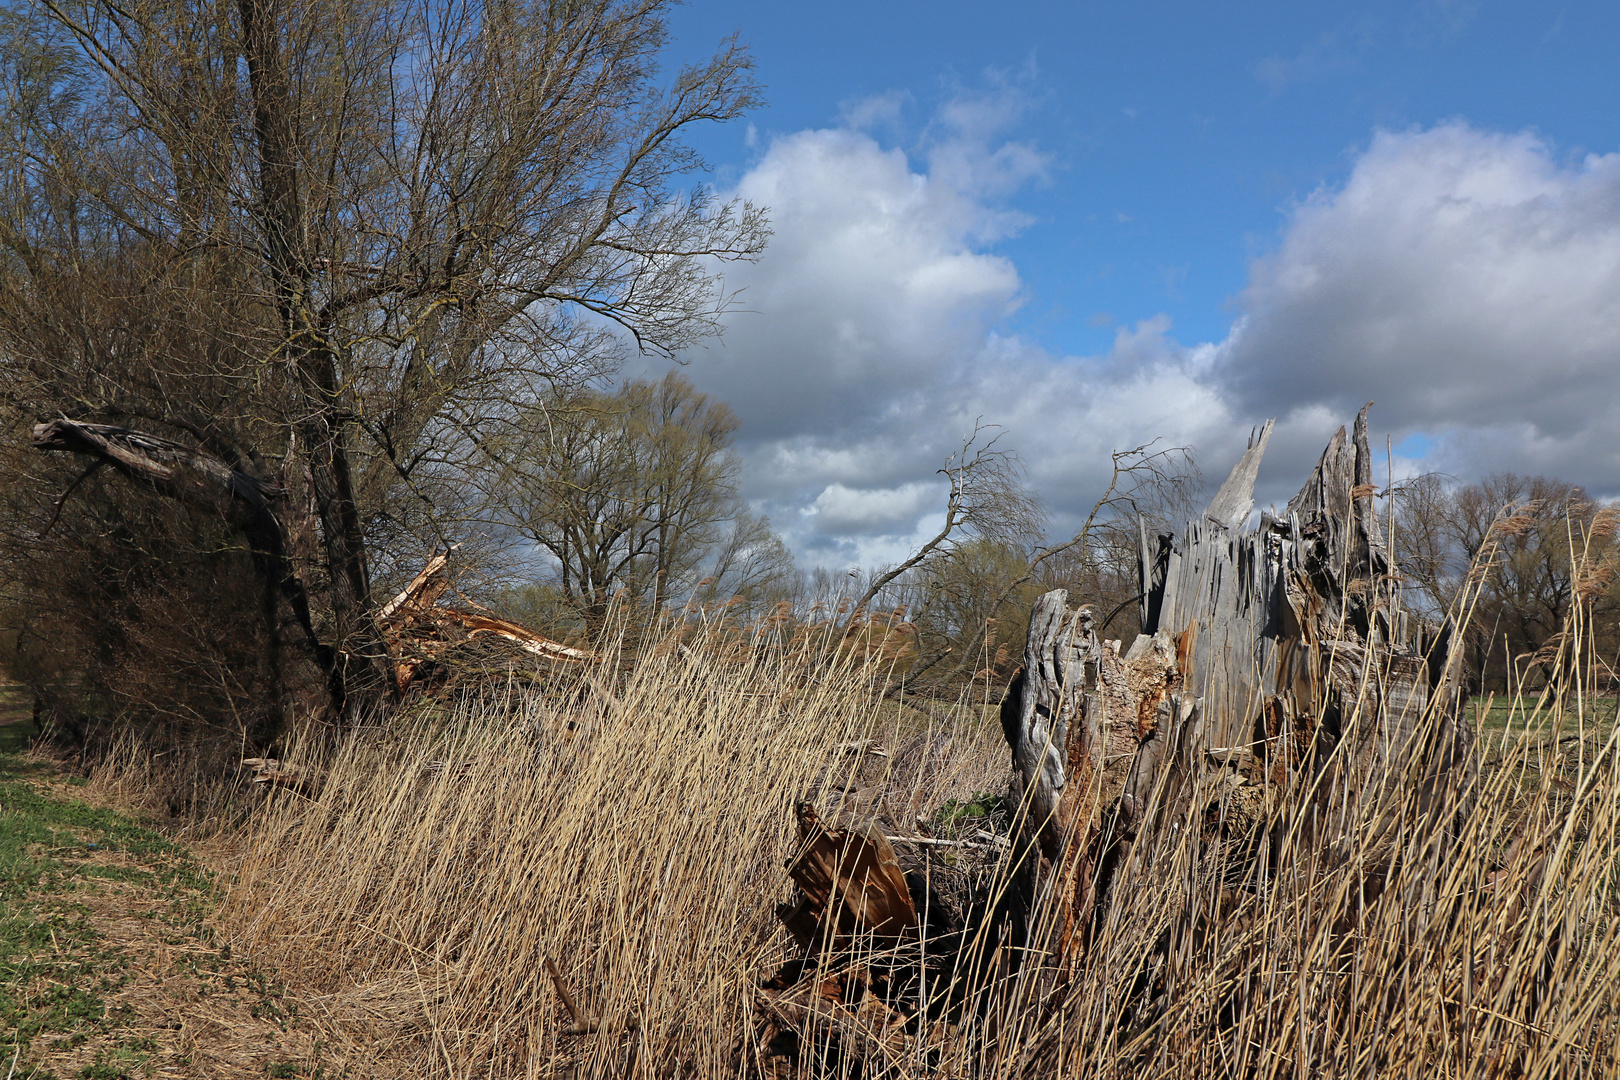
(273, 773)
(1277, 690)
(881, 957)
(420, 631)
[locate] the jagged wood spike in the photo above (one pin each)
(1233, 502)
(1275, 646)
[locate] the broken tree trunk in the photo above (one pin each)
(1078, 719)
(850, 883)
(201, 480)
(418, 630)
(1274, 663)
(1280, 727)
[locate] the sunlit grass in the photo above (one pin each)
(583, 876)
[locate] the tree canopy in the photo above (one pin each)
(340, 244)
(636, 489)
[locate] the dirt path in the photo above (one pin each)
(108, 966)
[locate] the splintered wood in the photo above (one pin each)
(1276, 682)
(850, 884)
(418, 630)
(1276, 700)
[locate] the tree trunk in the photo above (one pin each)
(362, 669)
(1276, 680)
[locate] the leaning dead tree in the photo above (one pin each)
(1280, 719)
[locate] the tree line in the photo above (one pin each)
(1557, 551)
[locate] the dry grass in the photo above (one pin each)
(637, 844)
(636, 840)
(1395, 944)
(108, 967)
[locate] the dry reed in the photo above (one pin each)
(584, 883)
(635, 841)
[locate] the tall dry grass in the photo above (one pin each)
(1404, 915)
(635, 841)
(1371, 941)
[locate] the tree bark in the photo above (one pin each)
(362, 670)
(1277, 659)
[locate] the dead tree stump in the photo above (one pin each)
(1276, 680)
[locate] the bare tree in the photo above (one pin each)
(750, 566)
(636, 489)
(985, 499)
(978, 609)
(1151, 489)
(1544, 530)
(350, 265)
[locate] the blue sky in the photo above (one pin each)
(1101, 224)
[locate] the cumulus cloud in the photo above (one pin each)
(840, 510)
(873, 283)
(878, 293)
(871, 342)
(1467, 280)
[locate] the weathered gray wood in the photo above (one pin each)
(1232, 504)
(1282, 646)
(1037, 718)
(1150, 576)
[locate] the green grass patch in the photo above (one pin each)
(61, 861)
(983, 809)
(1498, 715)
(55, 969)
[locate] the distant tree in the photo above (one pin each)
(635, 489)
(969, 589)
(970, 605)
(985, 499)
(1552, 538)
(750, 564)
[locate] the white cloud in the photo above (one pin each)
(841, 509)
(875, 112)
(870, 344)
(1469, 281)
(872, 283)
(1330, 53)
